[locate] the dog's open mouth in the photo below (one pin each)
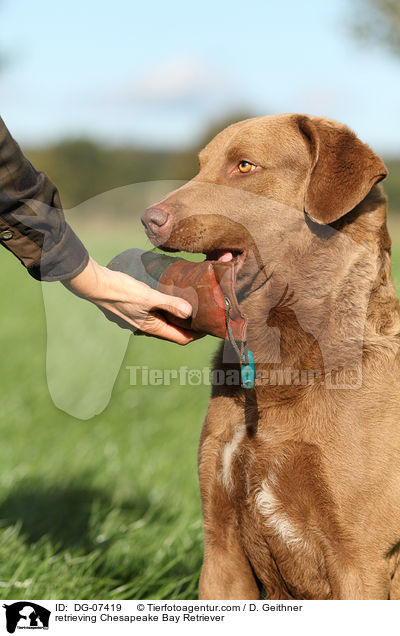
(227, 255)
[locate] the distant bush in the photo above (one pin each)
(392, 185)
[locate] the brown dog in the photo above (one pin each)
(300, 476)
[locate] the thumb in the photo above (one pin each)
(174, 305)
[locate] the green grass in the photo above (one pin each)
(108, 507)
(101, 508)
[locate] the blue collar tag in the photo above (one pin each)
(248, 371)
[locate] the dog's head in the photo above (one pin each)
(262, 183)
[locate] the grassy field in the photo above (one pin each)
(108, 507)
(101, 508)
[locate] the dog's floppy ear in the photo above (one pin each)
(342, 172)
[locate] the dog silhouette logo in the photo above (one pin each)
(26, 615)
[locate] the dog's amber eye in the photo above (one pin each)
(245, 166)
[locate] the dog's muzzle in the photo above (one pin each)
(208, 286)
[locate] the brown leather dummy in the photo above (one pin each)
(208, 286)
(205, 286)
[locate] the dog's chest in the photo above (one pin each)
(278, 506)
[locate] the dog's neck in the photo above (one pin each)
(316, 320)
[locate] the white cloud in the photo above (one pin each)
(180, 82)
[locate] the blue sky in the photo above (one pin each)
(157, 73)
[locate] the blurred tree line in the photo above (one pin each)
(82, 168)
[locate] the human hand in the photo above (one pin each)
(130, 303)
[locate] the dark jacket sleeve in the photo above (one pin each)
(32, 223)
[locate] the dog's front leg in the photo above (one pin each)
(226, 571)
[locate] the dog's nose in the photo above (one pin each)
(154, 219)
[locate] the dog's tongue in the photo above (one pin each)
(224, 257)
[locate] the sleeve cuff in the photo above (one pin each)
(66, 259)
